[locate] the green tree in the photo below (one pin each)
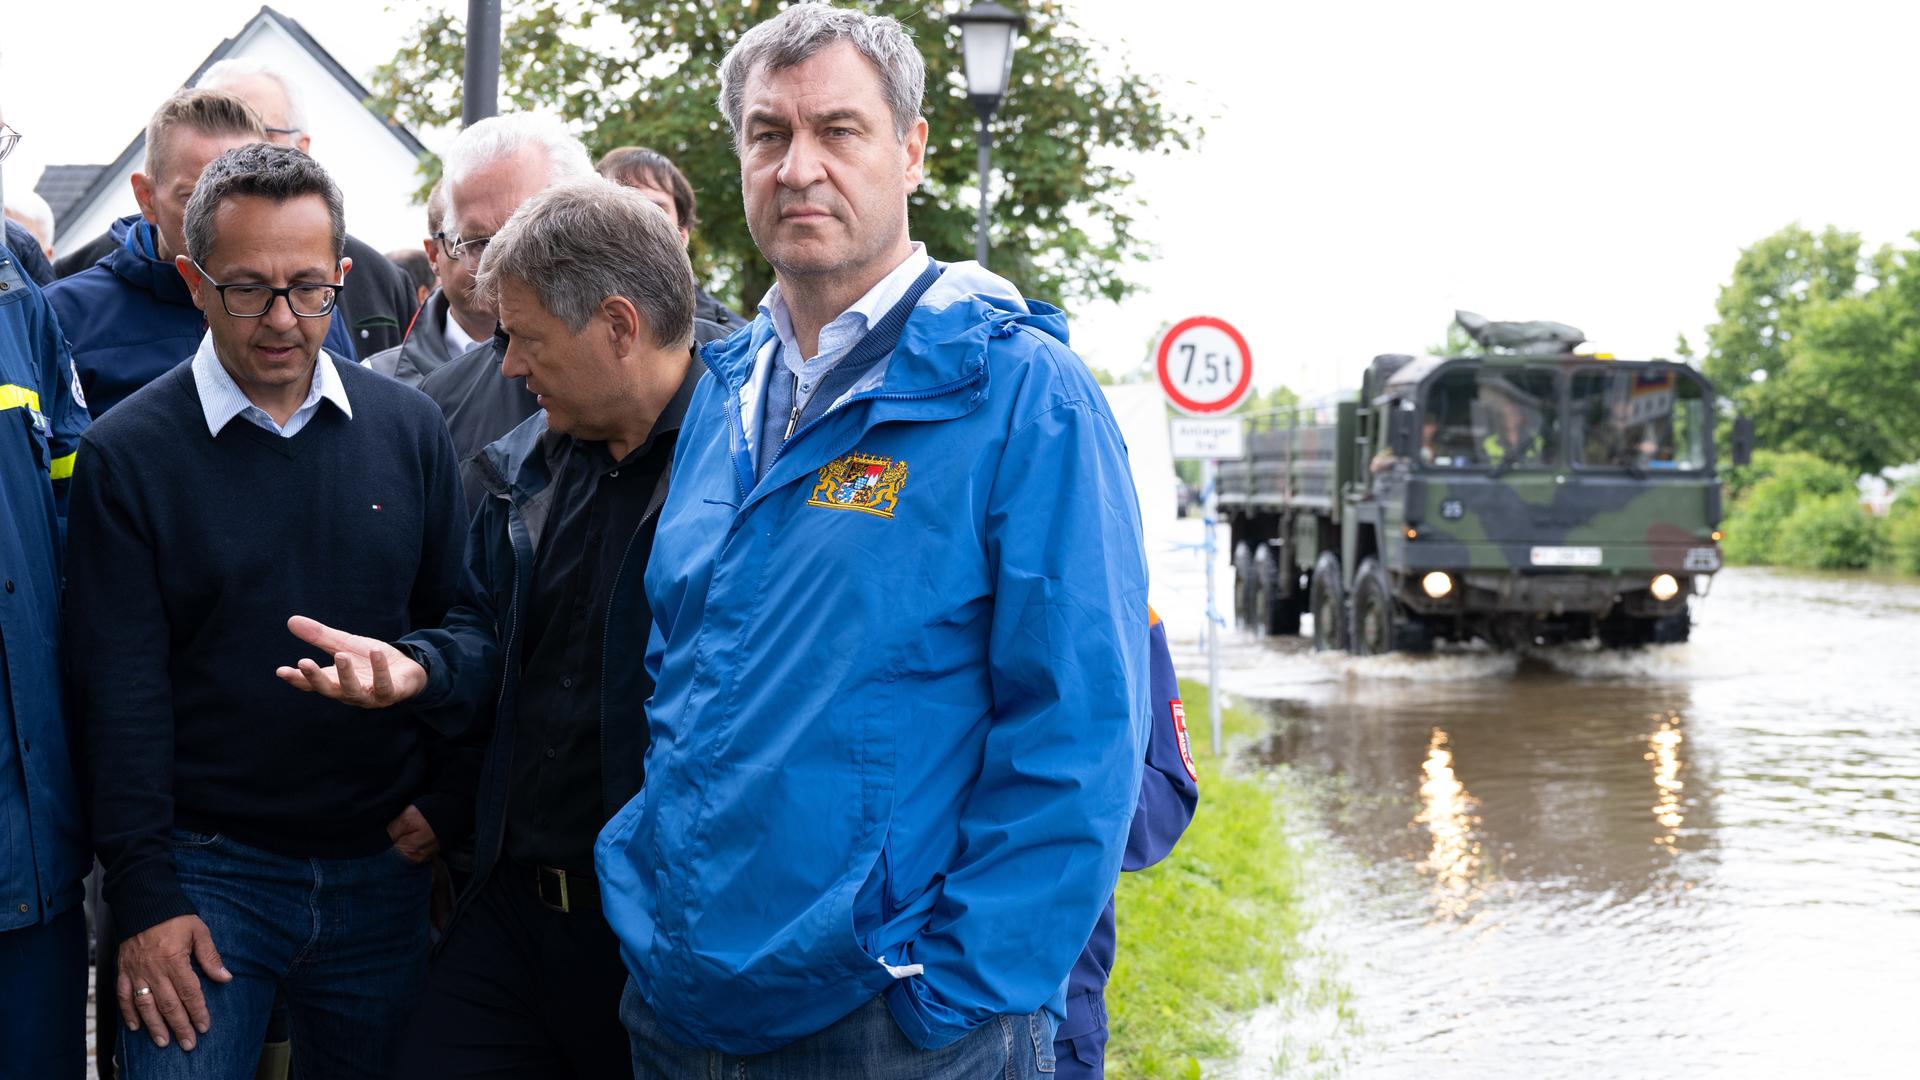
(646, 72)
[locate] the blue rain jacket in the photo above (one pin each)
(43, 842)
(900, 702)
(1169, 792)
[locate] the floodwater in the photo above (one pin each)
(1692, 860)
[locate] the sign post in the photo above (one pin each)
(1206, 369)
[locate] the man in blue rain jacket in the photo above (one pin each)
(43, 840)
(1169, 791)
(900, 702)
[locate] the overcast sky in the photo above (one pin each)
(1368, 167)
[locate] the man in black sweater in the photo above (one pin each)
(272, 839)
(594, 288)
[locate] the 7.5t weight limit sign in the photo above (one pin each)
(1204, 365)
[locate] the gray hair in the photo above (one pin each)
(436, 207)
(578, 243)
(793, 36)
(223, 74)
(265, 171)
(499, 137)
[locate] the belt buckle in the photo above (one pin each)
(551, 883)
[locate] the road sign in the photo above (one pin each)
(1204, 365)
(1207, 438)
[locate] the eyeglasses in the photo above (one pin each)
(9, 138)
(444, 242)
(253, 301)
(289, 132)
(469, 251)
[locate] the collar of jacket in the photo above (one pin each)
(131, 263)
(937, 371)
(514, 466)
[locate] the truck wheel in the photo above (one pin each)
(1376, 621)
(1329, 603)
(1244, 587)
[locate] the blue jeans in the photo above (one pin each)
(865, 1043)
(345, 939)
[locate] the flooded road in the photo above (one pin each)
(1694, 860)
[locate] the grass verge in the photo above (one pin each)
(1205, 936)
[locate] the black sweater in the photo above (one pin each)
(187, 553)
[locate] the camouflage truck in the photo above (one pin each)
(1514, 498)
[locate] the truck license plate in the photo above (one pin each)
(1566, 556)
(1703, 558)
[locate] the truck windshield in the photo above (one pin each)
(1639, 418)
(1491, 418)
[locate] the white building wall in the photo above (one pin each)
(375, 172)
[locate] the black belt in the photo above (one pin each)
(561, 891)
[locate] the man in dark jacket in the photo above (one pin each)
(43, 839)
(1169, 791)
(594, 289)
(490, 170)
(655, 176)
(131, 318)
(450, 321)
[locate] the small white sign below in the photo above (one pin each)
(1566, 556)
(1207, 439)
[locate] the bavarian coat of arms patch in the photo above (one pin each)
(865, 482)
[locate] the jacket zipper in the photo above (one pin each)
(506, 671)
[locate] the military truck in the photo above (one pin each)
(1526, 495)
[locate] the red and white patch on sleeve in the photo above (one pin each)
(1180, 737)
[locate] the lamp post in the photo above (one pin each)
(986, 47)
(480, 89)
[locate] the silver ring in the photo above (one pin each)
(144, 991)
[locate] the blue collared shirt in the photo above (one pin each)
(221, 399)
(838, 337)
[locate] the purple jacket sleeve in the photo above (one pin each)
(1169, 787)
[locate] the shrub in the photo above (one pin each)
(1829, 532)
(1902, 531)
(1768, 492)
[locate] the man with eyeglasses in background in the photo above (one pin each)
(263, 837)
(31, 245)
(450, 320)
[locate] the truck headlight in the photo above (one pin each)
(1664, 587)
(1437, 584)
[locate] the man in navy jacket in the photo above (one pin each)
(1169, 791)
(43, 845)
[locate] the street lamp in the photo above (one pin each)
(986, 46)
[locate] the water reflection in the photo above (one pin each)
(1663, 749)
(1447, 812)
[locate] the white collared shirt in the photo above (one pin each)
(838, 337)
(221, 399)
(456, 337)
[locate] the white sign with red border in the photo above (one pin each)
(1204, 365)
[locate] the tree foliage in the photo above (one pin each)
(646, 72)
(1821, 347)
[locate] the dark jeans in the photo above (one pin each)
(43, 999)
(344, 939)
(520, 990)
(865, 1043)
